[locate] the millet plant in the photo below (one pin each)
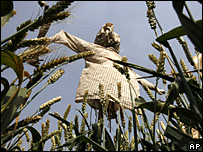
(182, 108)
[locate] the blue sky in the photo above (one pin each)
(130, 22)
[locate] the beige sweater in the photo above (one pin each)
(99, 69)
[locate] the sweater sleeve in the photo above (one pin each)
(74, 43)
(145, 83)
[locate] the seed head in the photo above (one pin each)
(122, 117)
(76, 122)
(49, 103)
(130, 124)
(150, 4)
(162, 125)
(153, 58)
(106, 103)
(186, 50)
(161, 63)
(119, 90)
(53, 144)
(146, 88)
(70, 130)
(101, 93)
(84, 101)
(67, 112)
(151, 19)
(185, 69)
(55, 76)
(157, 46)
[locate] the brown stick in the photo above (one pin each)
(167, 74)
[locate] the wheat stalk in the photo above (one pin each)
(153, 58)
(186, 50)
(84, 101)
(49, 103)
(24, 122)
(67, 112)
(13, 43)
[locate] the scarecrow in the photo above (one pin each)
(99, 69)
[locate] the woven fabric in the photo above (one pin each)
(108, 38)
(99, 69)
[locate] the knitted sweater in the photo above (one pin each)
(98, 69)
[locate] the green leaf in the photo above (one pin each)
(118, 139)
(187, 116)
(197, 92)
(84, 119)
(165, 147)
(10, 135)
(175, 33)
(10, 111)
(109, 143)
(180, 139)
(81, 146)
(10, 59)
(174, 92)
(5, 19)
(6, 87)
(66, 122)
(150, 106)
(193, 31)
(96, 136)
(6, 12)
(139, 100)
(147, 144)
(137, 67)
(6, 7)
(147, 125)
(72, 142)
(35, 138)
(80, 138)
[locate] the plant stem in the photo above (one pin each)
(155, 101)
(189, 13)
(186, 86)
(134, 121)
(4, 107)
(33, 97)
(118, 145)
(103, 128)
(168, 58)
(19, 32)
(158, 22)
(183, 101)
(147, 123)
(47, 75)
(198, 69)
(4, 68)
